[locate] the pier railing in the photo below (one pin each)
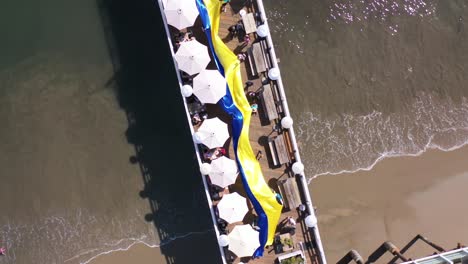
(284, 102)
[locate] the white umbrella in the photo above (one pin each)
(212, 133)
(232, 207)
(181, 13)
(209, 86)
(243, 241)
(223, 172)
(192, 57)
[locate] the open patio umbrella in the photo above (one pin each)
(192, 57)
(223, 173)
(212, 133)
(232, 208)
(181, 13)
(243, 241)
(209, 86)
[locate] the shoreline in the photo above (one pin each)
(397, 199)
(429, 147)
(195, 244)
(352, 205)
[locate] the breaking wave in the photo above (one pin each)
(77, 238)
(348, 143)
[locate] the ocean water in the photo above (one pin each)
(364, 80)
(371, 79)
(88, 164)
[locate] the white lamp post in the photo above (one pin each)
(311, 221)
(298, 168)
(274, 74)
(196, 137)
(186, 90)
(223, 240)
(242, 12)
(205, 168)
(262, 31)
(287, 122)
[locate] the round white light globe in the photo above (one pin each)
(196, 137)
(298, 168)
(205, 168)
(242, 12)
(262, 31)
(223, 240)
(311, 221)
(287, 122)
(274, 74)
(186, 90)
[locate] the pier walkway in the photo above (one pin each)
(274, 145)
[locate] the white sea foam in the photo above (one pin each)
(349, 143)
(77, 238)
(136, 241)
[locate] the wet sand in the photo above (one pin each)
(190, 249)
(396, 200)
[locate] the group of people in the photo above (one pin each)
(224, 4)
(289, 225)
(253, 99)
(215, 153)
(237, 30)
(182, 37)
(242, 56)
(198, 118)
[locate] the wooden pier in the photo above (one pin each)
(275, 146)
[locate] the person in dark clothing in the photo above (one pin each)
(232, 31)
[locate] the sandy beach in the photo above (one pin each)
(396, 200)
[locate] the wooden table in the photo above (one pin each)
(268, 102)
(290, 192)
(281, 149)
(249, 23)
(259, 57)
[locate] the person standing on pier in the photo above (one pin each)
(223, 6)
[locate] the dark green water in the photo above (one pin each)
(84, 87)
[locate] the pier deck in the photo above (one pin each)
(266, 137)
(261, 129)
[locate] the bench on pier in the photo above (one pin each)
(268, 103)
(279, 152)
(289, 146)
(289, 190)
(264, 45)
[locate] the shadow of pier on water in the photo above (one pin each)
(147, 90)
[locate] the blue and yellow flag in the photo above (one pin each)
(236, 104)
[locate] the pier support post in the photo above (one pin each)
(386, 246)
(352, 255)
(414, 240)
